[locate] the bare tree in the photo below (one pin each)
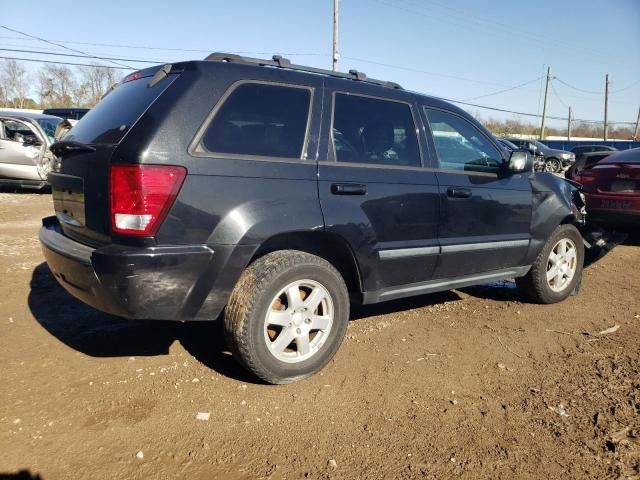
(14, 84)
(95, 81)
(56, 86)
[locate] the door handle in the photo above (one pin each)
(348, 189)
(459, 192)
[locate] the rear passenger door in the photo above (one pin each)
(251, 167)
(373, 188)
(485, 214)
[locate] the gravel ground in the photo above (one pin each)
(471, 384)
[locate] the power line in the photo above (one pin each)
(80, 56)
(555, 94)
(65, 63)
(488, 26)
(503, 91)
(461, 102)
(60, 45)
(241, 52)
(425, 72)
(576, 88)
(626, 88)
(198, 50)
(525, 114)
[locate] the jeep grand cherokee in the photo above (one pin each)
(277, 195)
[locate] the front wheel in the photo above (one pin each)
(554, 165)
(287, 316)
(557, 270)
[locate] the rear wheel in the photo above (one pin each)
(287, 316)
(557, 270)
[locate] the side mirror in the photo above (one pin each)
(520, 161)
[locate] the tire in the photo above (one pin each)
(264, 305)
(554, 165)
(535, 286)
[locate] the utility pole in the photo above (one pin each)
(635, 134)
(336, 55)
(544, 108)
(569, 126)
(606, 105)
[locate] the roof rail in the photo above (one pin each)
(281, 62)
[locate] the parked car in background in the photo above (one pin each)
(281, 194)
(66, 113)
(580, 149)
(539, 164)
(25, 159)
(612, 188)
(585, 160)
(556, 160)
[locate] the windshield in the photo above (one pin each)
(508, 144)
(540, 146)
(49, 125)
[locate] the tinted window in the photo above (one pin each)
(260, 119)
(111, 119)
(369, 130)
(460, 145)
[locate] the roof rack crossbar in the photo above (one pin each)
(281, 62)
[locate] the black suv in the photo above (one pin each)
(556, 160)
(281, 194)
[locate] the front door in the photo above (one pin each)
(485, 214)
(373, 188)
(19, 158)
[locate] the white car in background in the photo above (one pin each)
(25, 137)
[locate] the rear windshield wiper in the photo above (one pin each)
(64, 146)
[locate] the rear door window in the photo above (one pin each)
(260, 119)
(374, 131)
(110, 120)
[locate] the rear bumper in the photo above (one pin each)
(614, 217)
(613, 209)
(160, 283)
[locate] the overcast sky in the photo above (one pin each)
(455, 49)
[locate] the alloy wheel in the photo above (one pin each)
(562, 265)
(298, 321)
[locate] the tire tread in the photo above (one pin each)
(241, 307)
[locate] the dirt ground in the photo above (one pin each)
(468, 384)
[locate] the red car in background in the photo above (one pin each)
(612, 188)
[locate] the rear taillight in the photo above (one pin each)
(141, 196)
(588, 180)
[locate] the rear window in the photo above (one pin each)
(111, 119)
(259, 119)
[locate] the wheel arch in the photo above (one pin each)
(329, 246)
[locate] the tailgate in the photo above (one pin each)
(81, 195)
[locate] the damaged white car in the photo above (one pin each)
(25, 137)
